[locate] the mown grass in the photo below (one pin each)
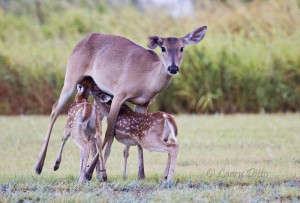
(216, 154)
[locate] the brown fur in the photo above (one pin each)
(84, 125)
(123, 69)
(150, 130)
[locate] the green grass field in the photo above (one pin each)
(235, 158)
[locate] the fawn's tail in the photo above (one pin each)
(173, 127)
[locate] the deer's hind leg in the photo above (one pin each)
(82, 140)
(97, 159)
(101, 159)
(58, 158)
(167, 166)
(84, 156)
(70, 83)
(173, 152)
(94, 153)
(159, 145)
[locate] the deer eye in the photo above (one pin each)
(163, 49)
(181, 49)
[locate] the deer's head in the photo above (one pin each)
(172, 48)
(83, 92)
(84, 88)
(103, 100)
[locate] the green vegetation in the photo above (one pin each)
(217, 160)
(249, 61)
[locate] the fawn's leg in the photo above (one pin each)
(154, 143)
(84, 156)
(58, 158)
(90, 169)
(167, 166)
(101, 159)
(98, 158)
(94, 153)
(141, 172)
(173, 151)
(126, 155)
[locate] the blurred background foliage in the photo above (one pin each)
(249, 60)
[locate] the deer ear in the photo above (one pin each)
(154, 41)
(195, 36)
(79, 88)
(104, 98)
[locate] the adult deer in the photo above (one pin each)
(123, 69)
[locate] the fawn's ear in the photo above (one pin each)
(154, 41)
(80, 88)
(195, 36)
(104, 98)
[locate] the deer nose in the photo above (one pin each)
(173, 69)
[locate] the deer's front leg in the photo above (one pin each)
(117, 101)
(126, 155)
(141, 172)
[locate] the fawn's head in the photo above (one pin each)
(84, 89)
(83, 92)
(172, 48)
(104, 101)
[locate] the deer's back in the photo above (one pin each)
(137, 125)
(109, 59)
(112, 49)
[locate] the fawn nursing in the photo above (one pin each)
(123, 69)
(84, 125)
(149, 130)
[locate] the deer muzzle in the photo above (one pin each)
(173, 69)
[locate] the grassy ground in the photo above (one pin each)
(237, 158)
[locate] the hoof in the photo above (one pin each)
(104, 178)
(56, 167)
(88, 176)
(39, 168)
(141, 177)
(83, 180)
(141, 174)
